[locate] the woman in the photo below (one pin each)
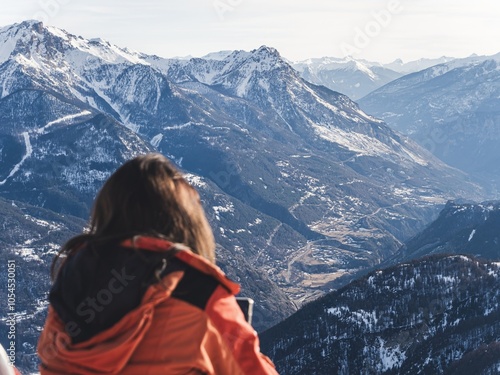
(140, 293)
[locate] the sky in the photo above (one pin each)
(376, 30)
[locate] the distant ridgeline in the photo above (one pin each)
(461, 228)
(451, 109)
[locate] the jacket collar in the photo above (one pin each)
(183, 253)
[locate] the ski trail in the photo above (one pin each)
(28, 153)
(27, 141)
(62, 119)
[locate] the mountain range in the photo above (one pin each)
(295, 176)
(460, 228)
(356, 77)
(300, 185)
(451, 109)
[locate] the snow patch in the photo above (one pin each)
(471, 235)
(219, 209)
(42, 223)
(155, 141)
(27, 253)
(43, 129)
(178, 127)
(356, 142)
(194, 180)
(29, 151)
(338, 311)
(390, 357)
(256, 222)
(57, 32)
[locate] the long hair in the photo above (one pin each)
(147, 195)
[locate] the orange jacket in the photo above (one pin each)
(165, 334)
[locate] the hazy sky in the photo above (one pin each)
(378, 30)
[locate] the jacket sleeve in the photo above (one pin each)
(236, 334)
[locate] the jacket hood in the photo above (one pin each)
(109, 351)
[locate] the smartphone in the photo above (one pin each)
(246, 305)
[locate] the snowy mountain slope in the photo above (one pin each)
(451, 109)
(317, 182)
(63, 163)
(303, 110)
(79, 147)
(36, 42)
(414, 318)
(29, 239)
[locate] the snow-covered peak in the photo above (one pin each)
(316, 64)
(220, 55)
(352, 77)
(37, 42)
(268, 51)
(262, 58)
(15, 35)
(242, 70)
(216, 67)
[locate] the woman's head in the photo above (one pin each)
(147, 195)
